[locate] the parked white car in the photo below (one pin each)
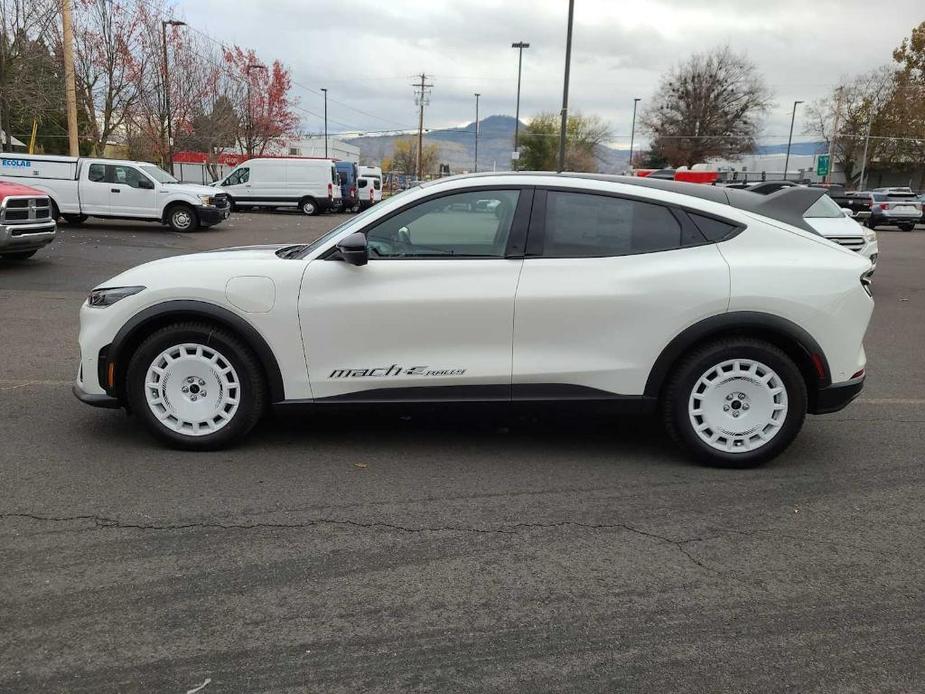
(81, 187)
(369, 186)
(311, 185)
(723, 310)
(838, 225)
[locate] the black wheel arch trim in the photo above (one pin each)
(133, 332)
(813, 363)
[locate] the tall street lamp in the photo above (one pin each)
(520, 45)
(477, 95)
(568, 62)
(164, 23)
(790, 138)
(325, 91)
(633, 132)
(250, 108)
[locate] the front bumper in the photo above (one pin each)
(209, 215)
(836, 396)
(25, 237)
(94, 399)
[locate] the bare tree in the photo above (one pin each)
(709, 106)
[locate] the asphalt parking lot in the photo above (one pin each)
(451, 549)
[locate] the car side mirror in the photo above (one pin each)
(848, 213)
(145, 183)
(353, 249)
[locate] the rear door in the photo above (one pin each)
(94, 189)
(430, 316)
(607, 283)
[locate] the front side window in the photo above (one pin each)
(237, 176)
(583, 225)
(465, 225)
(127, 175)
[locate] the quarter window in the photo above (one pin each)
(583, 225)
(465, 225)
(713, 229)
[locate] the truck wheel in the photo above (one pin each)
(22, 255)
(906, 227)
(182, 218)
(309, 206)
(75, 219)
(196, 386)
(736, 402)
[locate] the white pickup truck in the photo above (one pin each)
(82, 187)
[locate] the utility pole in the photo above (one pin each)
(421, 94)
(67, 26)
(790, 138)
(164, 23)
(838, 93)
(864, 158)
(249, 135)
(633, 133)
(520, 45)
(568, 62)
(477, 95)
(323, 89)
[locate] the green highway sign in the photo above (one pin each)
(822, 165)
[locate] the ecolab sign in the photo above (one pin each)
(16, 164)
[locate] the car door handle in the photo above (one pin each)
(114, 190)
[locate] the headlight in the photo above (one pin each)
(207, 200)
(107, 296)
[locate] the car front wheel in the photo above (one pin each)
(737, 402)
(196, 386)
(182, 218)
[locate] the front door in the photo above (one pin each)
(430, 317)
(132, 194)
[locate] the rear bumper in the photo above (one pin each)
(94, 400)
(836, 397)
(25, 237)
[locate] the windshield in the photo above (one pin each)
(322, 240)
(824, 208)
(158, 174)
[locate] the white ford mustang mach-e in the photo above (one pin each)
(721, 309)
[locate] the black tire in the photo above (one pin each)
(252, 395)
(309, 206)
(906, 227)
(21, 255)
(231, 205)
(182, 218)
(75, 219)
(685, 377)
(871, 224)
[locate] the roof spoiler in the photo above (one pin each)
(788, 205)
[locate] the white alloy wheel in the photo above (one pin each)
(181, 218)
(192, 389)
(738, 405)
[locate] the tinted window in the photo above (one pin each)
(97, 173)
(473, 224)
(361, 183)
(713, 229)
(584, 225)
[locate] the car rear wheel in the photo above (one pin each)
(737, 402)
(196, 386)
(21, 255)
(309, 206)
(906, 227)
(75, 219)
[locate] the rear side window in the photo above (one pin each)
(583, 225)
(97, 173)
(713, 229)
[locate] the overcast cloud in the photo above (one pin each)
(366, 52)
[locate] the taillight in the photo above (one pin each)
(330, 190)
(353, 191)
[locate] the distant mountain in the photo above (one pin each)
(795, 148)
(457, 147)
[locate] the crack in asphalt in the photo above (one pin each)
(103, 522)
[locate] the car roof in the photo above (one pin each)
(786, 205)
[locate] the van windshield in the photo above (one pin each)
(158, 174)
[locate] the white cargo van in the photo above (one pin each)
(309, 184)
(369, 186)
(82, 187)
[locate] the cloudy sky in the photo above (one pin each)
(367, 52)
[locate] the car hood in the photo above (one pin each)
(190, 188)
(836, 226)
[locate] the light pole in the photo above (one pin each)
(861, 186)
(164, 23)
(790, 138)
(568, 62)
(324, 89)
(633, 133)
(477, 95)
(520, 45)
(249, 143)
